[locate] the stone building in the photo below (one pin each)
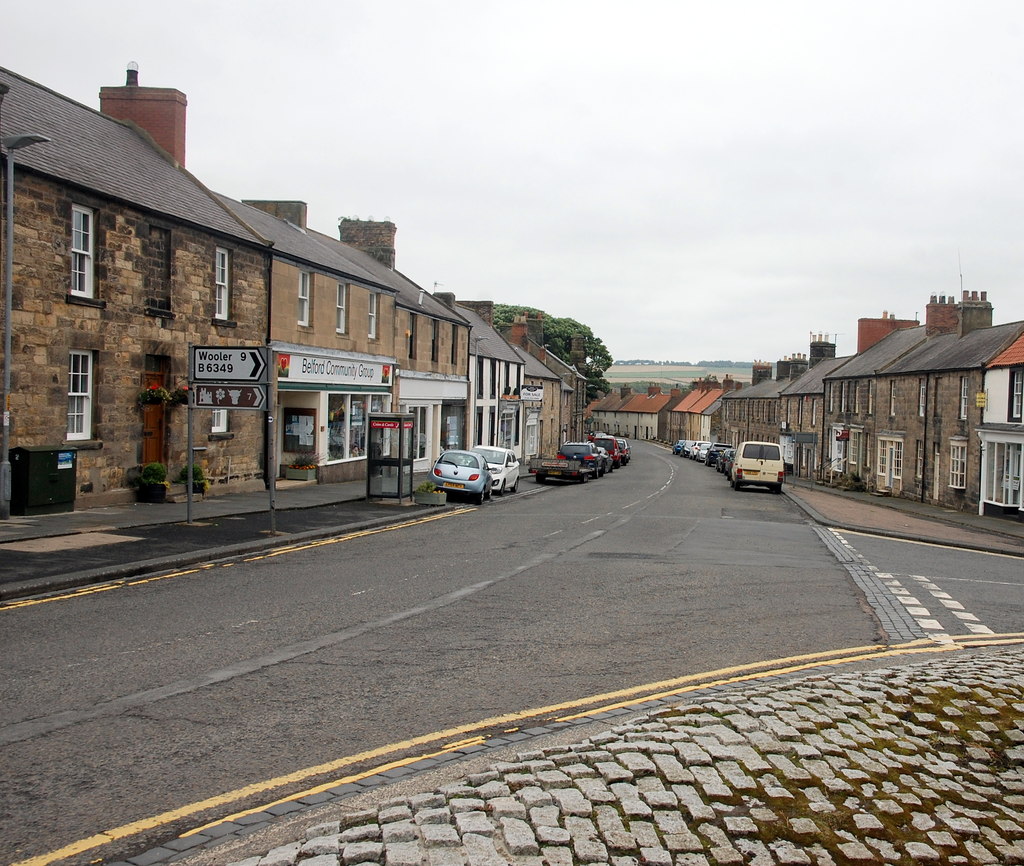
(926, 444)
(122, 261)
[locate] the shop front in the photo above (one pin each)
(323, 404)
(439, 406)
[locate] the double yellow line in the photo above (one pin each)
(459, 737)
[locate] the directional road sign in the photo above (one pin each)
(229, 395)
(229, 364)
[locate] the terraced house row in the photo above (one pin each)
(926, 411)
(932, 411)
(123, 260)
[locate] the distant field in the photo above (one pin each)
(672, 375)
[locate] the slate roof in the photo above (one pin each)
(766, 388)
(813, 380)
(330, 254)
(484, 340)
(881, 355)
(950, 352)
(534, 368)
(94, 152)
(1012, 357)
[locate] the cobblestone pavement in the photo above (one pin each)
(920, 763)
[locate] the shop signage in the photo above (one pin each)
(376, 424)
(531, 393)
(322, 370)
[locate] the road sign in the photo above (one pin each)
(229, 395)
(229, 364)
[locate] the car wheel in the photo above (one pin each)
(584, 478)
(479, 498)
(515, 486)
(777, 488)
(501, 490)
(541, 478)
(736, 485)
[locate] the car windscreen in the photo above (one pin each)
(468, 460)
(492, 455)
(608, 444)
(575, 450)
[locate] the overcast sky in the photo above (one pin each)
(712, 180)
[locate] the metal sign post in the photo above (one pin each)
(229, 377)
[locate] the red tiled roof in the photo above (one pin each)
(697, 401)
(1013, 356)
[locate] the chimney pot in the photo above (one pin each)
(132, 75)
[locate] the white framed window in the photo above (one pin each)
(219, 421)
(372, 316)
(871, 397)
(919, 459)
(303, 308)
(963, 397)
(221, 277)
(341, 309)
(1016, 412)
(82, 251)
(892, 397)
(80, 375)
(890, 460)
(958, 465)
(922, 397)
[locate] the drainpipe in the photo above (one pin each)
(924, 436)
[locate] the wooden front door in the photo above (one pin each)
(154, 422)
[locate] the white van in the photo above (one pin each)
(758, 463)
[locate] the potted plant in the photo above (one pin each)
(200, 483)
(152, 485)
(427, 494)
(302, 466)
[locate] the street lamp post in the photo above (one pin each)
(11, 143)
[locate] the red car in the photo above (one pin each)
(611, 445)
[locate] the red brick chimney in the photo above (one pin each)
(941, 316)
(160, 111)
(870, 331)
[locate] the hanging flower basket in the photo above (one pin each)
(153, 395)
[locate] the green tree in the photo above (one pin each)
(558, 334)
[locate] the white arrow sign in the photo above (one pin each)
(229, 363)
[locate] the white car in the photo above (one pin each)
(504, 466)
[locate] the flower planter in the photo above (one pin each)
(435, 497)
(152, 493)
(299, 474)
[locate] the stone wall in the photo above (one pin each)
(153, 298)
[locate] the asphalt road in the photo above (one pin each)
(123, 705)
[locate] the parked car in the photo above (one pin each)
(606, 461)
(714, 452)
(627, 452)
(701, 452)
(611, 445)
(685, 450)
(695, 447)
(586, 453)
(462, 473)
(679, 446)
(725, 462)
(758, 463)
(504, 467)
